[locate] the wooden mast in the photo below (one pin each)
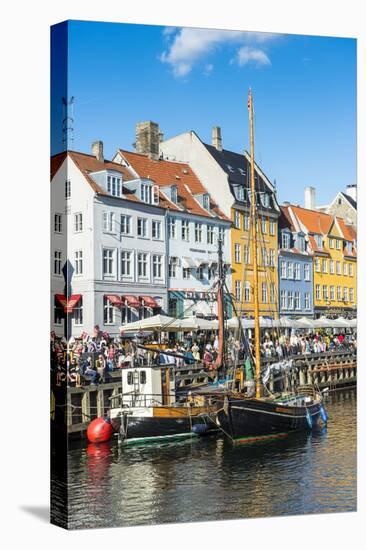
(253, 218)
(220, 308)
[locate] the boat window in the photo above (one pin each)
(130, 378)
(143, 377)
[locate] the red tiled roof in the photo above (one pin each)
(164, 173)
(314, 220)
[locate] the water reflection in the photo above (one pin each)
(209, 479)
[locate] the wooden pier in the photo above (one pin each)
(332, 370)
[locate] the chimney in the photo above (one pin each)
(216, 138)
(351, 190)
(148, 137)
(310, 198)
(97, 150)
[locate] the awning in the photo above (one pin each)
(131, 301)
(188, 262)
(68, 303)
(115, 300)
(149, 301)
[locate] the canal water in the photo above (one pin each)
(209, 479)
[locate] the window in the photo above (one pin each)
(349, 247)
(246, 222)
(351, 295)
(283, 270)
(240, 193)
(143, 377)
(331, 243)
(211, 272)
(78, 222)
(78, 262)
(108, 261)
(222, 235)
(246, 258)
(237, 219)
(200, 273)
(142, 265)
(185, 230)
(290, 300)
(272, 257)
(172, 228)
(297, 271)
(307, 300)
(264, 226)
(345, 294)
(174, 194)
(297, 300)
(317, 265)
(331, 267)
(339, 293)
(350, 270)
(57, 262)
(319, 241)
(67, 189)
(265, 199)
(307, 272)
(283, 299)
(324, 266)
(157, 266)
(210, 234)
(331, 293)
(272, 293)
(114, 186)
(285, 240)
(338, 244)
(237, 253)
(146, 193)
(290, 270)
(58, 312)
(272, 227)
(108, 222)
(126, 263)
(345, 269)
(325, 292)
(125, 224)
(156, 229)
(264, 256)
(317, 292)
(58, 223)
(186, 272)
(238, 291)
(173, 264)
(142, 227)
(301, 243)
(264, 293)
(126, 314)
(78, 312)
(108, 312)
(247, 292)
(338, 268)
(206, 201)
(198, 232)
(130, 378)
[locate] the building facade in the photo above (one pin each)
(295, 270)
(226, 175)
(333, 245)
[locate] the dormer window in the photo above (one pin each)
(114, 185)
(206, 201)
(240, 193)
(319, 241)
(265, 200)
(301, 243)
(149, 193)
(174, 194)
(285, 240)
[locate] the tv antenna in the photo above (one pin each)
(68, 123)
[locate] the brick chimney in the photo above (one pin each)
(216, 138)
(310, 198)
(97, 150)
(148, 137)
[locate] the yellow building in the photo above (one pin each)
(333, 244)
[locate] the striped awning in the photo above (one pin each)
(149, 301)
(114, 299)
(132, 301)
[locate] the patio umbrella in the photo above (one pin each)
(285, 322)
(156, 322)
(353, 323)
(304, 322)
(341, 322)
(193, 323)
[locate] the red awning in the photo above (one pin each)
(148, 301)
(115, 300)
(131, 301)
(68, 303)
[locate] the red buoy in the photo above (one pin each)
(99, 430)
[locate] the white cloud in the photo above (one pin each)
(247, 54)
(208, 69)
(189, 46)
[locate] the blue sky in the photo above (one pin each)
(304, 91)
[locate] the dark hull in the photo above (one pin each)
(248, 418)
(145, 429)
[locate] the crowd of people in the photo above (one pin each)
(92, 359)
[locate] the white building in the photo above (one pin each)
(109, 229)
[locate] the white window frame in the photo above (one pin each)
(160, 264)
(185, 230)
(297, 271)
(78, 222)
(339, 293)
(338, 268)
(264, 294)
(142, 223)
(67, 189)
(272, 228)
(283, 298)
(172, 225)
(350, 270)
(331, 267)
(345, 269)
(283, 269)
(297, 300)
(317, 292)
(111, 261)
(247, 292)
(338, 244)
(351, 295)
(127, 261)
(79, 262)
(210, 234)
(143, 260)
(78, 313)
(264, 226)
(307, 272)
(238, 291)
(237, 253)
(57, 222)
(290, 299)
(198, 232)
(290, 270)
(109, 222)
(307, 305)
(331, 293)
(345, 294)
(109, 317)
(173, 265)
(126, 224)
(57, 262)
(325, 295)
(324, 266)
(246, 222)
(156, 235)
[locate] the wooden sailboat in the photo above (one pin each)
(245, 418)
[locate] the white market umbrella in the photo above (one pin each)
(353, 323)
(194, 323)
(341, 322)
(323, 322)
(304, 322)
(156, 322)
(285, 322)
